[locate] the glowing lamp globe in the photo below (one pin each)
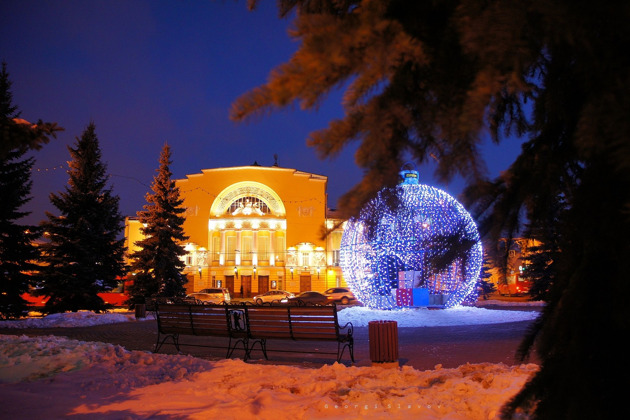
(412, 245)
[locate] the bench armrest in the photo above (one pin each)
(347, 329)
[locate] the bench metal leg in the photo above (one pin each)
(174, 337)
(350, 345)
(232, 348)
(263, 347)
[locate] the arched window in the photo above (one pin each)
(247, 198)
(248, 206)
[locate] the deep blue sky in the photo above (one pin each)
(148, 72)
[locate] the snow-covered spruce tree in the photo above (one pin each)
(428, 79)
(17, 251)
(157, 265)
(84, 252)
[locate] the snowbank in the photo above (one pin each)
(70, 319)
(53, 377)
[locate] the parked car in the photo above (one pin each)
(340, 294)
(216, 295)
(272, 296)
(309, 297)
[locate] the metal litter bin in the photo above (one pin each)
(383, 336)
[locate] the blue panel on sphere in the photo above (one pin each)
(420, 297)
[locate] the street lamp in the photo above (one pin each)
(291, 270)
(235, 272)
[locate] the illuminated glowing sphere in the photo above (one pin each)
(412, 245)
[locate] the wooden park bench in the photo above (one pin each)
(243, 324)
(298, 323)
(175, 320)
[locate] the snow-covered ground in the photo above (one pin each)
(53, 377)
(358, 315)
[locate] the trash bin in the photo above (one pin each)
(383, 336)
(141, 310)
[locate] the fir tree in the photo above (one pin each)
(17, 250)
(84, 255)
(157, 265)
(17, 134)
(485, 287)
(540, 263)
(426, 78)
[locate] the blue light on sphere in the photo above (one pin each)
(411, 240)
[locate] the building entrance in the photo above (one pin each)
(246, 285)
(263, 284)
(229, 284)
(305, 282)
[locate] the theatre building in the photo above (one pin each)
(252, 229)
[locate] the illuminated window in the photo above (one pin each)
(216, 248)
(280, 248)
(246, 248)
(248, 206)
(231, 248)
(263, 247)
(335, 258)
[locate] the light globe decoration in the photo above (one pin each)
(412, 245)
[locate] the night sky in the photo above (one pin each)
(148, 72)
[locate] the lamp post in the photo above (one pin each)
(235, 272)
(291, 270)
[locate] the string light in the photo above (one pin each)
(412, 245)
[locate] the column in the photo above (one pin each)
(255, 248)
(222, 254)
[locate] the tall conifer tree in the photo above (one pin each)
(426, 78)
(17, 250)
(84, 255)
(17, 134)
(157, 265)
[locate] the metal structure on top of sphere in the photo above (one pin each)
(412, 245)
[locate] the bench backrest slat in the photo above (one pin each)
(192, 319)
(317, 323)
(269, 322)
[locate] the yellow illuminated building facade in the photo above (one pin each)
(252, 229)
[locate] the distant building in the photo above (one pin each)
(510, 279)
(253, 229)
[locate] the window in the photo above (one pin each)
(231, 248)
(216, 248)
(246, 254)
(248, 206)
(306, 259)
(335, 258)
(263, 247)
(280, 248)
